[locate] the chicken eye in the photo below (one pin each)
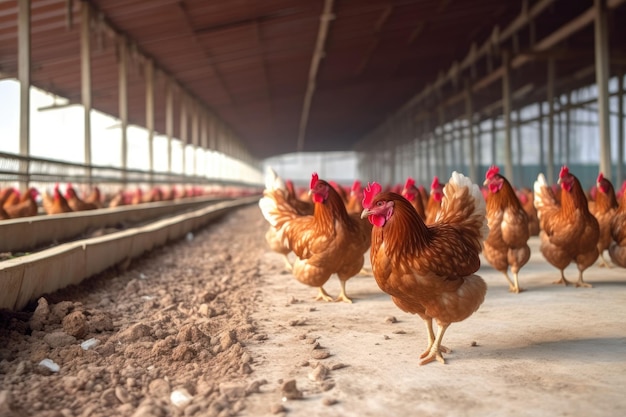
(380, 203)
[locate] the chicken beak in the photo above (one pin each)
(365, 213)
(485, 183)
(558, 181)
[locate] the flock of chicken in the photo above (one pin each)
(424, 247)
(13, 204)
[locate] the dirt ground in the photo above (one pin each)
(213, 326)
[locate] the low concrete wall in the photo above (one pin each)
(28, 277)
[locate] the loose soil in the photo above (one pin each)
(213, 326)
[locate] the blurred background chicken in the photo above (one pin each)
(603, 210)
(434, 200)
(617, 248)
(75, 202)
(412, 193)
(569, 232)
(25, 206)
(507, 243)
(330, 241)
(429, 269)
(55, 203)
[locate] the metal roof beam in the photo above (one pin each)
(318, 54)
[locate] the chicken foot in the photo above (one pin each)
(562, 280)
(513, 286)
(603, 262)
(434, 349)
(342, 295)
(288, 265)
(580, 282)
(323, 295)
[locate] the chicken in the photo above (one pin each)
(429, 269)
(26, 206)
(94, 197)
(412, 193)
(617, 248)
(12, 197)
(4, 195)
(328, 242)
(355, 197)
(434, 201)
(507, 243)
(569, 232)
(75, 202)
(56, 203)
(526, 197)
(604, 210)
(301, 206)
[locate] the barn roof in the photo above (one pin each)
(256, 64)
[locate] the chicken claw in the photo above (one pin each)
(342, 296)
(323, 296)
(562, 280)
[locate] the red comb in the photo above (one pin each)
(356, 185)
(314, 179)
(564, 171)
(435, 182)
(369, 193)
(492, 171)
(600, 177)
(410, 182)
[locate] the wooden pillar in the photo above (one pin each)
(507, 104)
(602, 80)
(469, 115)
(550, 159)
(183, 131)
(85, 65)
(542, 165)
(620, 130)
(169, 122)
(23, 70)
(122, 66)
(520, 150)
(195, 130)
(149, 74)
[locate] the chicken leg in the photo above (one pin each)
(342, 295)
(562, 280)
(323, 295)
(513, 285)
(580, 282)
(434, 349)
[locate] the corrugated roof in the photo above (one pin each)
(249, 61)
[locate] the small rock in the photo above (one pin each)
(159, 388)
(59, 339)
(328, 385)
(290, 391)
(297, 322)
(320, 354)
(134, 333)
(255, 386)
(232, 390)
(319, 373)
(180, 398)
(398, 332)
(40, 315)
(329, 401)
(49, 365)
(109, 399)
(336, 366)
(386, 337)
(75, 324)
(474, 344)
(122, 394)
(277, 408)
(391, 319)
(303, 363)
(90, 343)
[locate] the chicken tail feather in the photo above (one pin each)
(463, 204)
